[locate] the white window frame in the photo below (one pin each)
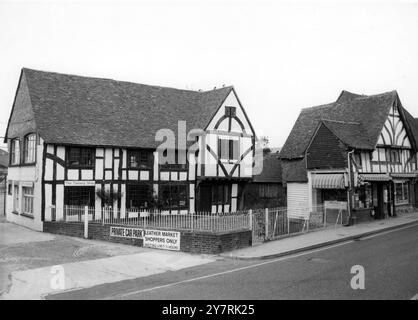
(15, 152)
(27, 200)
(29, 147)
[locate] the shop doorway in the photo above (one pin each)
(384, 200)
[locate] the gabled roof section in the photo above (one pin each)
(80, 110)
(350, 133)
(367, 115)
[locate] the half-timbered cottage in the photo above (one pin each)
(360, 150)
(86, 141)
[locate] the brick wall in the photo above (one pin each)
(194, 242)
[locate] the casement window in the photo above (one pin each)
(221, 194)
(138, 196)
(268, 191)
(79, 196)
(392, 155)
(139, 159)
(180, 161)
(402, 193)
(10, 188)
(29, 147)
(15, 152)
(228, 149)
(230, 111)
(80, 157)
(16, 198)
(173, 196)
(27, 199)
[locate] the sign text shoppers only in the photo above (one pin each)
(157, 239)
(161, 239)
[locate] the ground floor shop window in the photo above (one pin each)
(79, 196)
(138, 196)
(333, 195)
(27, 197)
(173, 196)
(363, 196)
(402, 192)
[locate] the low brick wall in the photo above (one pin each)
(194, 242)
(206, 242)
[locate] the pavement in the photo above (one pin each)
(35, 264)
(320, 238)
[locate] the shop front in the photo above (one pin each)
(374, 196)
(382, 195)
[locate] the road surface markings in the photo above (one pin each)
(415, 297)
(124, 295)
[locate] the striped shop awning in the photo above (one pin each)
(375, 177)
(404, 175)
(328, 181)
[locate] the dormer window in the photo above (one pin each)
(15, 152)
(30, 148)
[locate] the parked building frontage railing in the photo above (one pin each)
(200, 221)
(266, 224)
(275, 223)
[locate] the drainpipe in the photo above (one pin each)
(350, 186)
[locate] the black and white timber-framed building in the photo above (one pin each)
(71, 136)
(360, 150)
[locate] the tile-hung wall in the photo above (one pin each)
(109, 171)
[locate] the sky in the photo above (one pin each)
(279, 56)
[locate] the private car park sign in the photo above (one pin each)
(122, 232)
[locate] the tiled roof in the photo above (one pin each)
(272, 169)
(351, 133)
(356, 120)
(72, 109)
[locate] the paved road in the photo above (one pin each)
(390, 261)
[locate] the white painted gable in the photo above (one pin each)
(394, 132)
(230, 101)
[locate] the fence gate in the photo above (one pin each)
(258, 226)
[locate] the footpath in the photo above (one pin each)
(317, 239)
